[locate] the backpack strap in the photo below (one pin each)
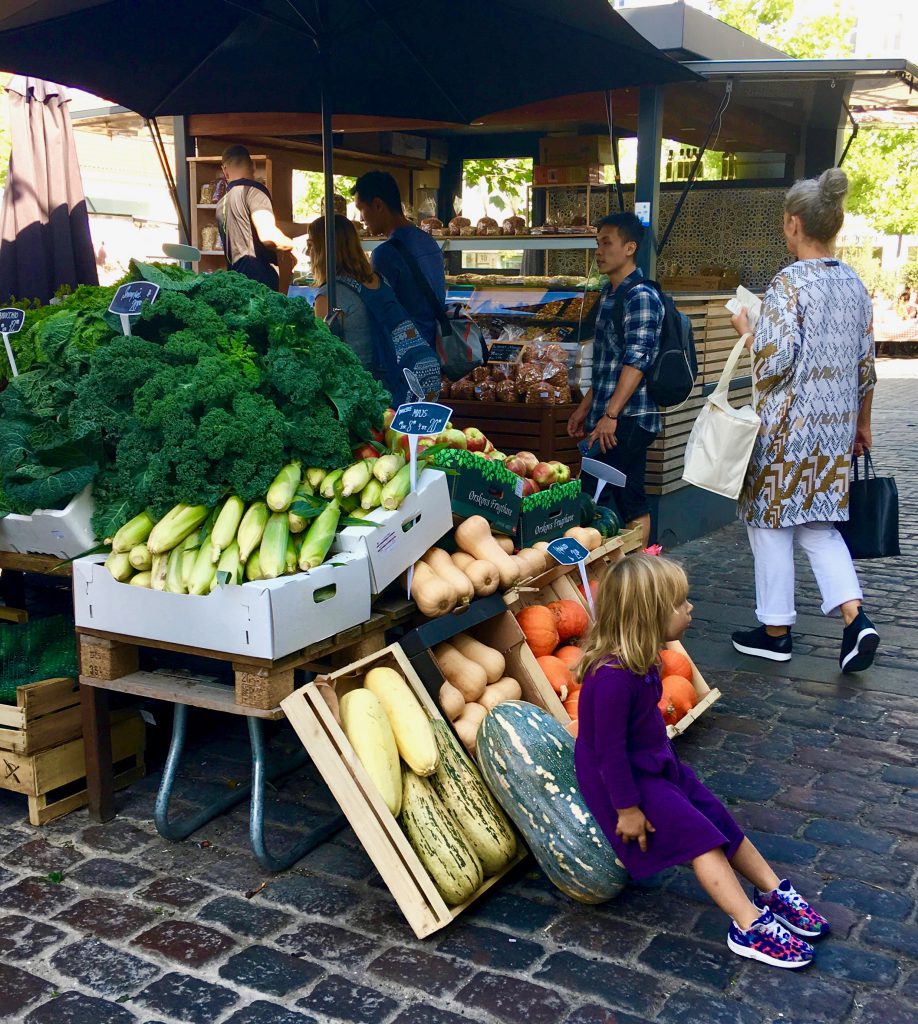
(423, 284)
(618, 305)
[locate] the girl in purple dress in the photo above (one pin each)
(651, 807)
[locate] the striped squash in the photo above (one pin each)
(443, 850)
(458, 783)
(527, 761)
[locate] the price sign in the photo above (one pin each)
(11, 321)
(129, 299)
(569, 552)
(505, 351)
(603, 475)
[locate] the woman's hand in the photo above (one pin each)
(740, 322)
(863, 439)
(632, 824)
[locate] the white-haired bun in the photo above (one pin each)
(833, 184)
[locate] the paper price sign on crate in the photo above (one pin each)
(11, 321)
(567, 551)
(129, 299)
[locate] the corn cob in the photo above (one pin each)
(175, 526)
(227, 523)
(349, 504)
(314, 476)
(371, 495)
(174, 584)
(297, 522)
(142, 579)
(253, 567)
(119, 565)
(330, 483)
(272, 553)
(140, 557)
(251, 529)
(205, 568)
(386, 466)
(281, 491)
(189, 556)
(319, 537)
(396, 490)
(158, 572)
(356, 477)
(361, 513)
(134, 532)
(230, 563)
(292, 556)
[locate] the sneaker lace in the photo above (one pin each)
(775, 930)
(795, 900)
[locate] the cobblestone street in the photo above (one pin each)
(111, 924)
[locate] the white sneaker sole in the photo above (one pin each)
(758, 652)
(754, 954)
(865, 647)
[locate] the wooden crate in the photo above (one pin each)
(316, 724)
(517, 426)
(54, 780)
(632, 540)
(46, 714)
(706, 695)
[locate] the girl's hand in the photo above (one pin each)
(632, 824)
(740, 322)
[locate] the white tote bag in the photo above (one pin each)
(720, 445)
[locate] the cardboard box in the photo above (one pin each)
(63, 533)
(265, 619)
(498, 498)
(315, 721)
(404, 535)
(574, 175)
(547, 523)
(583, 150)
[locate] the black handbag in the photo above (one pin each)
(872, 529)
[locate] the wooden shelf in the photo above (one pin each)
(206, 206)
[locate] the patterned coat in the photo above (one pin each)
(813, 363)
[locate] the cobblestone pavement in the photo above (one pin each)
(110, 924)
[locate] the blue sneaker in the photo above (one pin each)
(791, 910)
(770, 942)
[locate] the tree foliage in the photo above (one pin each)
(502, 183)
(788, 26)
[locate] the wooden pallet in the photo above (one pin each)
(517, 426)
(54, 780)
(46, 714)
(260, 683)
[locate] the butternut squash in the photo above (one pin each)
(490, 660)
(531, 562)
(473, 535)
(412, 729)
(433, 595)
(542, 545)
(496, 693)
(466, 676)
(484, 575)
(443, 566)
(505, 543)
(452, 703)
(468, 724)
(585, 535)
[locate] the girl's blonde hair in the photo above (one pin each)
(350, 259)
(636, 598)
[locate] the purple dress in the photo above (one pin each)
(624, 759)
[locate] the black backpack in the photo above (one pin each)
(672, 374)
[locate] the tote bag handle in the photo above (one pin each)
(720, 394)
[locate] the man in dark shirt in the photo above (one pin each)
(253, 243)
(380, 204)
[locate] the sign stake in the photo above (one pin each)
(11, 321)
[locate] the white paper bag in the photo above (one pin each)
(720, 445)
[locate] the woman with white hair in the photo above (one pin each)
(813, 366)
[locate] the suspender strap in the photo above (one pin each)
(423, 284)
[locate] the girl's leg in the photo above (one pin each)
(718, 880)
(773, 551)
(754, 868)
(831, 563)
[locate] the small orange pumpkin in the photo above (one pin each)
(558, 674)
(668, 710)
(594, 590)
(570, 655)
(675, 663)
(539, 628)
(679, 694)
(571, 617)
(570, 705)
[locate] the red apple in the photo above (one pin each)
(475, 440)
(423, 443)
(498, 456)
(562, 473)
(387, 417)
(543, 474)
(483, 455)
(531, 460)
(488, 446)
(530, 487)
(516, 465)
(365, 451)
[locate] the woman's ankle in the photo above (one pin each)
(777, 630)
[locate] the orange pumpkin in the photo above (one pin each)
(679, 693)
(570, 655)
(558, 674)
(571, 728)
(570, 705)
(571, 617)
(675, 663)
(539, 628)
(668, 710)
(594, 590)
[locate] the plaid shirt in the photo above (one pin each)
(641, 322)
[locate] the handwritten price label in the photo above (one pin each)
(421, 418)
(11, 320)
(566, 551)
(130, 297)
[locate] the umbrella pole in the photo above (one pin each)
(328, 168)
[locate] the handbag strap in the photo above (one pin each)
(423, 284)
(723, 385)
(868, 466)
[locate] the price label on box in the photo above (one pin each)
(568, 551)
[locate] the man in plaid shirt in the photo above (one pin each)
(617, 415)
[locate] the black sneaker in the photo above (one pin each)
(759, 644)
(860, 641)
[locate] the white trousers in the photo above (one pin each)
(830, 561)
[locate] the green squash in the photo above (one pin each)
(527, 760)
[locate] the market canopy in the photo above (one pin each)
(434, 59)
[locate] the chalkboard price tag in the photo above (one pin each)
(11, 321)
(421, 418)
(129, 299)
(567, 551)
(505, 351)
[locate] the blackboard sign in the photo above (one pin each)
(505, 351)
(130, 297)
(567, 551)
(11, 320)
(421, 418)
